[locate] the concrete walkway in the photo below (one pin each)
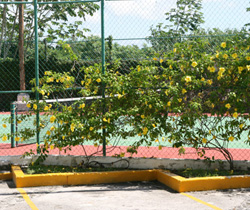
(122, 196)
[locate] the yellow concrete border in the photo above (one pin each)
(171, 180)
(181, 184)
(22, 180)
(6, 176)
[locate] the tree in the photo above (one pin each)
(186, 18)
(53, 19)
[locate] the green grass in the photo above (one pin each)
(45, 169)
(190, 173)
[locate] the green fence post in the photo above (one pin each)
(37, 76)
(12, 128)
(103, 72)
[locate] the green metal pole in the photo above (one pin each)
(37, 75)
(103, 72)
(12, 128)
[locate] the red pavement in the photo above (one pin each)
(149, 152)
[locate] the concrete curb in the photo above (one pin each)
(6, 176)
(171, 180)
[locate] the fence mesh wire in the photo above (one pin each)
(134, 31)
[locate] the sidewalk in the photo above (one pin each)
(122, 196)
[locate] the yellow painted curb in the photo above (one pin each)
(181, 184)
(177, 183)
(6, 176)
(22, 180)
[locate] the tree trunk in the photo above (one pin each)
(3, 29)
(21, 47)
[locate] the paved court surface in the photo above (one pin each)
(122, 196)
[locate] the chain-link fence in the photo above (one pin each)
(133, 31)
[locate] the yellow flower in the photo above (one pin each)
(4, 138)
(17, 138)
(119, 95)
(145, 131)
(95, 145)
(240, 69)
(234, 55)
(154, 125)
(28, 105)
(104, 119)
(174, 50)
(51, 147)
(72, 127)
(156, 140)
(4, 125)
(150, 106)
(142, 116)
(46, 108)
(52, 128)
(223, 44)
(34, 106)
(228, 106)
(204, 140)
(161, 60)
(82, 106)
(42, 92)
(82, 82)
(169, 103)
(180, 100)
(212, 105)
(155, 59)
(52, 119)
(211, 69)
(222, 69)
(98, 80)
(202, 79)
(241, 126)
(210, 82)
(194, 64)
(109, 120)
(248, 58)
(159, 147)
(48, 133)
(166, 92)
(231, 138)
(139, 68)
(183, 91)
(50, 79)
(91, 128)
(225, 56)
(188, 79)
(248, 67)
(235, 114)
(68, 78)
(62, 79)
(170, 67)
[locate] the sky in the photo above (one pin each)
(133, 19)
